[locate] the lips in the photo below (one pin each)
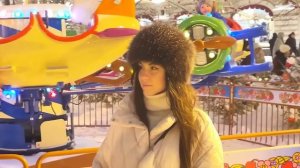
(145, 86)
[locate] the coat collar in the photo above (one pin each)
(126, 116)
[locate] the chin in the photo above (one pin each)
(152, 93)
(148, 94)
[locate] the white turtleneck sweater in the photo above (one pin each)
(158, 107)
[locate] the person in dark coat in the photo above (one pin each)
(280, 58)
(291, 41)
(246, 60)
(272, 42)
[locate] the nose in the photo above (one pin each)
(144, 75)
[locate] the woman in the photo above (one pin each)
(278, 42)
(157, 125)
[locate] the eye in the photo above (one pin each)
(154, 68)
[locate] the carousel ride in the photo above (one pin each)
(36, 65)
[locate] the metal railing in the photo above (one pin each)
(15, 157)
(73, 152)
(230, 114)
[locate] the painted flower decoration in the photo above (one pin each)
(296, 157)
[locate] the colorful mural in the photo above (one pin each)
(252, 94)
(274, 162)
(266, 157)
(214, 91)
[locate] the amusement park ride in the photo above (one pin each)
(40, 69)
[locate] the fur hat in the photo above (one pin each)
(165, 45)
(284, 48)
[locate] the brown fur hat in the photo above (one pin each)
(165, 45)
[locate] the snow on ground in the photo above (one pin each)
(86, 137)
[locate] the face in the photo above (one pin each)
(152, 78)
(204, 9)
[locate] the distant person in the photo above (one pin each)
(291, 41)
(247, 59)
(158, 124)
(259, 54)
(278, 42)
(280, 58)
(272, 42)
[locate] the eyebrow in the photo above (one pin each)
(153, 63)
(150, 63)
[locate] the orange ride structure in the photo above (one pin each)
(36, 65)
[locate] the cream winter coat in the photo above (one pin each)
(129, 144)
